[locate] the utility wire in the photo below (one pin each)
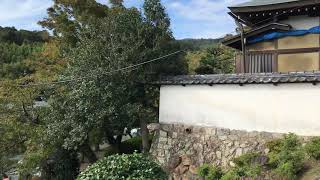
(128, 68)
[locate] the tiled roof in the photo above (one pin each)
(262, 3)
(260, 78)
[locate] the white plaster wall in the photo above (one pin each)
(302, 22)
(284, 108)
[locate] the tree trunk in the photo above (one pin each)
(87, 151)
(118, 143)
(115, 142)
(144, 136)
(97, 147)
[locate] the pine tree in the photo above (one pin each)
(116, 3)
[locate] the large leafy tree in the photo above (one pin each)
(97, 41)
(105, 101)
(108, 100)
(67, 18)
(217, 60)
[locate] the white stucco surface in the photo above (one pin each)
(284, 108)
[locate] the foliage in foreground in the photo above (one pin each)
(210, 172)
(313, 148)
(246, 165)
(285, 161)
(133, 166)
(286, 156)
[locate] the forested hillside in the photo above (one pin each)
(12, 35)
(25, 57)
(198, 44)
(21, 51)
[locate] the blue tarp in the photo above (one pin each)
(277, 35)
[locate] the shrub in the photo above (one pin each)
(247, 165)
(313, 148)
(286, 156)
(210, 172)
(230, 175)
(132, 166)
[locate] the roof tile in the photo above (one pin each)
(258, 78)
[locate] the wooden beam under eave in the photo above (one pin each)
(242, 20)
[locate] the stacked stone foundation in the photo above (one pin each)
(181, 149)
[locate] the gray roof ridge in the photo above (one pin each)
(242, 78)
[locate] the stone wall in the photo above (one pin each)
(181, 149)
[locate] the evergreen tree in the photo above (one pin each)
(116, 3)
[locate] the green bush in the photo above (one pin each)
(116, 167)
(210, 172)
(230, 175)
(286, 156)
(246, 165)
(313, 148)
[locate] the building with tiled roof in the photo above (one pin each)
(282, 35)
(275, 90)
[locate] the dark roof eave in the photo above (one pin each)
(257, 31)
(270, 7)
(258, 78)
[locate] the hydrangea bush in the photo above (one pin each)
(127, 166)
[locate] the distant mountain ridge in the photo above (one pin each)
(12, 35)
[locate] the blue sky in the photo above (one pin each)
(189, 18)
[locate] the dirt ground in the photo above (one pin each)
(312, 171)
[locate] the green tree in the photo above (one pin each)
(22, 125)
(67, 18)
(117, 3)
(219, 59)
(111, 101)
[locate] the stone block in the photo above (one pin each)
(153, 127)
(195, 130)
(181, 169)
(186, 161)
(219, 154)
(223, 137)
(161, 160)
(174, 162)
(229, 143)
(243, 145)
(253, 134)
(210, 131)
(223, 132)
(163, 140)
(174, 135)
(231, 151)
(233, 137)
(163, 133)
(232, 164)
(193, 169)
(239, 152)
(167, 127)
